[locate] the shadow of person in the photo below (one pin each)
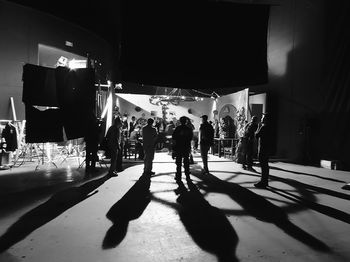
(181, 188)
(261, 209)
(304, 196)
(129, 207)
(306, 174)
(207, 225)
(47, 211)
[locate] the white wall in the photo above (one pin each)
(238, 100)
(128, 102)
(258, 99)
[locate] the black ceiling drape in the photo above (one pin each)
(194, 44)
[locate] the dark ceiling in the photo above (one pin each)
(192, 44)
(100, 17)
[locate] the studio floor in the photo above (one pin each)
(58, 214)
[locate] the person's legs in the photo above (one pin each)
(148, 159)
(178, 161)
(204, 155)
(264, 169)
(126, 146)
(264, 165)
(151, 153)
(94, 156)
(186, 164)
(249, 155)
(140, 150)
(113, 166)
(120, 160)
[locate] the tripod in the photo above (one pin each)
(42, 160)
(26, 153)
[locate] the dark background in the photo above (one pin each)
(183, 44)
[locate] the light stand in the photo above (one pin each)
(43, 158)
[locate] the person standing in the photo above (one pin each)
(125, 136)
(191, 125)
(249, 137)
(113, 144)
(149, 137)
(182, 137)
(241, 145)
(206, 140)
(132, 124)
(91, 143)
(264, 143)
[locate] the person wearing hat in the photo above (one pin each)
(206, 140)
(264, 141)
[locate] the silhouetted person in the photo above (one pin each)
(125, 135)
(249, 136)
(132, 124)
(149, 136)
(182, 137)
(135, 136)
(91, 142)
(113, 144)
(190, 125)
(264, 144)
(206, 140)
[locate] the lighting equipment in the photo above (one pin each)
(62, 61)
(214, 95)
(174, 97)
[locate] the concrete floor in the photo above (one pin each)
(58, 214)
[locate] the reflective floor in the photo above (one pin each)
(50, 213)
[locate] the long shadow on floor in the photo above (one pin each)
(296, 184)
(261, 209)
(14, 200)
(47, 211)
(129, 207)
(306, 174)
(207, 225)
(305, 196)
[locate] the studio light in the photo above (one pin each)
(174, 98)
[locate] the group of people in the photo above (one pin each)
(182, 138)
(183, 135)
(248, 133)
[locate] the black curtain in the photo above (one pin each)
(43, 126)
(76, 98)
(72, 94)
(39, 86)
(335, 119)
